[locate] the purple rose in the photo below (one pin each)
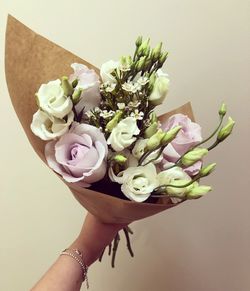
(89, 82)
(79, 155)
(188, 136)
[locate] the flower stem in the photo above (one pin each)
(115, 247)
(100, 258)
(163, 187)
(128, 241)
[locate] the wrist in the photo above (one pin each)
(89, 254)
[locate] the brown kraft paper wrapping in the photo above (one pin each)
(31, 60)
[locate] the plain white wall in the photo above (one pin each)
(199, 246)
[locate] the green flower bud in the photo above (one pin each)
(152, 129)
(153, 117)
(163, 58)
(170, 135)
(156, 52)
(126, 62)
(138, 42)
(74, 83)
(67, 87)
(140, 64)
(223, 109)
(207, 170)
(114, 121)
(144, 48)
(155, 140)
(226, 130)
(152, 80)
(147, 63)
(198, 191)
(193, 156)
(76, 95)
(120, 159)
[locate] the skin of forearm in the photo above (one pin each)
(66, 273)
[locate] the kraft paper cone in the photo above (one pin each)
(31, 60)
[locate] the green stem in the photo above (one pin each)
(213, 145)
(146, 154)
(128, 242)
(154, 159)
(100, 258)
(163, 187)
(212, 135)
(115, 247)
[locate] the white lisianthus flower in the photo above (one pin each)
(122, 134)
(51, 99)
(139, 150)
(48, 127)
(160, 88)
(175, 176)
(106, 70)
(139, 182)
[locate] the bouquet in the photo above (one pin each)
(98, 131)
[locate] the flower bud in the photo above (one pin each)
(179, 191)
(114, 121)
(76, 95)
(163, 58)
(152, 81)
(223, 109)
(67, 87)
(144, 48)
(207, 170)
(170, 135)
(152, 129)
(125, 63)
(120, 159)
(193, 156)
(198, 191)
(226, 130)
(156, 52)
(138, 42)
(140, 64)
(74, 83)
(155, 140)
(153, 117)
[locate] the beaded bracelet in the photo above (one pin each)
(77, 255)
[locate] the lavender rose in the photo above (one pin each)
(79, 155)
(188, 136)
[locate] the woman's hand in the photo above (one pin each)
(94, 237)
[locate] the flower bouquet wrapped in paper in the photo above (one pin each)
(98, 131)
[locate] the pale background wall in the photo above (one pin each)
(199, 246)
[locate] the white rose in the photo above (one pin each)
(106, 70)
(122, 134)
(52, 100)
(160, 88)
(175, 176)
(139, 182)
(139, 150)
(48, 127)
